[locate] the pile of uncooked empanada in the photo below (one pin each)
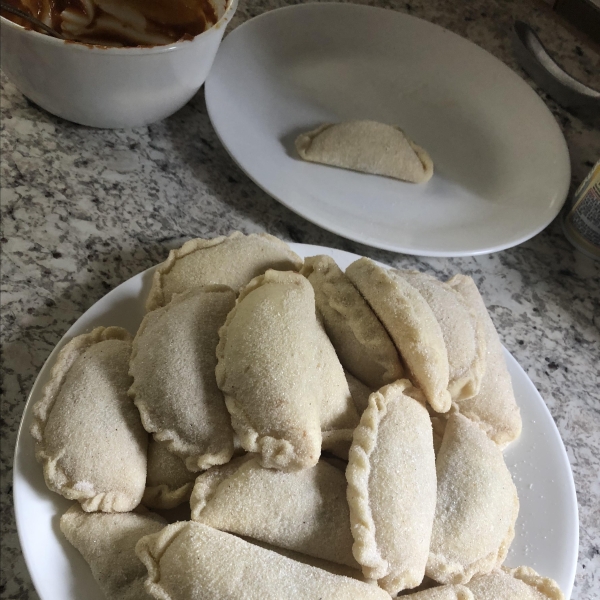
(336, 435)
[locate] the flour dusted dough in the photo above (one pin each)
(494, 408)
(522, 583)
(369, 147)
(412, 326)
(443, 592)
(168, 483)
(392, 488)
(232, 261)
(88, 433)
(359, 391)
(305, 511)
(464, 335)
(362, 344)
(107, 543)
(174, 385)
(191, 560)
(477, 505)
(266, 369)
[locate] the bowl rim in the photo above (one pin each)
(230, 8)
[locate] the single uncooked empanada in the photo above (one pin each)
(168, 483)
(89, 437)
(477, 505)
(392, 488)
(412, 326)
(305, 511)
(281, 379)
(232, 261)
(362, 344)
(494, 408)
(368, 147)
(464, 335)
(174, 385)
(522, 583)
(191, 560)
(107, 543)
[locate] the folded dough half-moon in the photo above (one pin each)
(305, 511)
(174, 385)
(191, 560)
(392, 488)
(412, 326)
(362, 344)
(368, 147)
(168, 483)
(232, 261)
(464, 335)
(522, 583)
(477, 505)
(89, 437)
(107, 543)
(280, 376)
(494, 408)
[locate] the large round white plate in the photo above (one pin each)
(502, 166)
(546, 533)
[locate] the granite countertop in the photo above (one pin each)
(84, 210)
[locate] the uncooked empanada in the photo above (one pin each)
(477, 505)
(522, 583)
(362, 344)
(412, 326)
(464, 335)
(191, 560)
(88, 433)
(168, 483)
(305, 511)
(368, 147)
(281, 379)
(174, 385)
(494, 408)
(392, 488)
(107, 543)
(232, 261)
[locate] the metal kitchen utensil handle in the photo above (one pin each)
(36, 22)
(541, 67)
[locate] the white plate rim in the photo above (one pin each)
(304, 250)
(373, 240)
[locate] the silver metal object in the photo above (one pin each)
(570, 93)
(35, 22)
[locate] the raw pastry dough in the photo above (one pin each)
(522, 583)
(494, 408)
(107, 543)
(392, 488)
(191, 560)
(477, 505)
(369, 147)
(443, 592)
(280, 376)
(362, 344)
(464, 335)
(412, 326)
(232, 261)
(174, 385)
(85, 398)
(359, 391)
(168, 483)
(305, 511)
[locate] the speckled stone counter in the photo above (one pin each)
(83, 210)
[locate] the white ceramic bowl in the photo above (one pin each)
(110, 87)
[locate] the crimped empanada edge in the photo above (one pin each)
(364, 441)
(56, 479)
(193, 457)
(544, 585)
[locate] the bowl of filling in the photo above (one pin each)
(120, 63)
